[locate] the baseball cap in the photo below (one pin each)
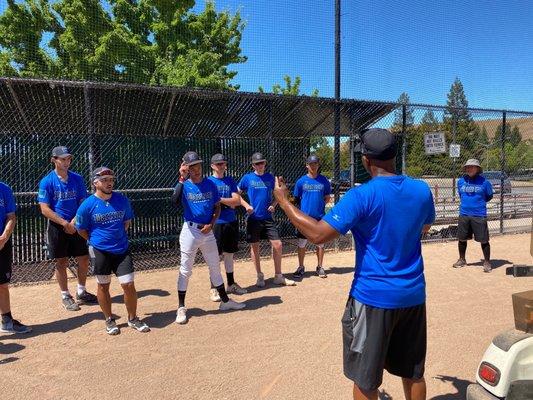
(313, 158)
(191, 158)
(218, 158)
(472, 162)
(257, 158)
(378, 143)
(60, 151)
(101, 172)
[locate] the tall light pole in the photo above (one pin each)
(337, 128)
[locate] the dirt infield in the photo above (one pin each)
(285, 345)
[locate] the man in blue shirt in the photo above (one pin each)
(60, 194)
(7, 225)
(258, 186)
(384, 323)
(475, 191)
(103, 220)
(201, 205)
(312, 191)
(226, 228)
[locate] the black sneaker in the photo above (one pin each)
(14, 327)
(299, 273)
(70, 304)
(111, 327)
(138, 325)
(321, 272)
(86, 298)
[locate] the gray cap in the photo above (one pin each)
(191, 158)
(378, 143)
(472, 162)
(101, 172)
(313, 158)
(257, 158)
(60, 151)
(218, 158)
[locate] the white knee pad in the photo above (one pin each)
(128, 278)
(302, 243)
(103, 279)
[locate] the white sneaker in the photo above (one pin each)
(231, 305)
(236, 289)
(260, 280)
(281, 280)
(181, 316)
(214, 296)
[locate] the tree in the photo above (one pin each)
(290, 88)
(457, 104)
(143, 41)
(429, 120)
(512, 135)
(398, 114)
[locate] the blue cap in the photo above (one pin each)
(61, 151)
(313, 158)
(218, 158)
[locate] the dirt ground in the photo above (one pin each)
(285, 345)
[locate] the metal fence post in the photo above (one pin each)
(94, 146)
(404, 137)
(502, 167)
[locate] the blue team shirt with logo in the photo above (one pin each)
(226, 187)
(62, 197)
(312, 191)
(7, 205)
(386, 217)
(259, 190)
(104, 220)
(199, 200)
(474, 194)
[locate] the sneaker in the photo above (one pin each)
(487, 267)
(459, 263)
(138, 325)
(231, 305)
(86, 298)
(14, 327)
(236, 289)
(111, 327)
(70, 304)
(181, 316)
(299, 273)
(321, 272)
(281, 280)
(214, 296)
(260, 280)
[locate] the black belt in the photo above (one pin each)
(199, 226)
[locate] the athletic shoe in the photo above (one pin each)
(138, 325)
(70, 304)
(231, 305)
(459, 263)
(181, 316)
(281, 280)
(214, 296)
(299, 273)
(487, 267)
(260, 280)
(236, 289)
(111, 327)
(86, 298)
(321, 272)
(14, 327)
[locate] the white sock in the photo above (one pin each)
(65, 294)
(81, 289)
(228, 262)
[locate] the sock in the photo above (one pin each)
(7, 317)
(222, 293)
(181, 298)
(486, 251)
(462, 250)
(65, 294)
(81, 289)
(231, 280)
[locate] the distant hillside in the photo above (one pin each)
(524, 124)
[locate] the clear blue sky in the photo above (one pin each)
(417, 46)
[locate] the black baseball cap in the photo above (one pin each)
(218, 158)
(191, 158)
(257, 158)
(313, 158)
(378, 143)
(60, 151)
(101, 172)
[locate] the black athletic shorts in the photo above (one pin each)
(473, 226)
(227, 236)
(105, 263)
(61, 244)
(257, 230)
(375, 339)
(6, 261)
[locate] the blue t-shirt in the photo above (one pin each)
(386, 216)
(474, 195)
(7, 205)
(63, 198)
(312, 191)
(259, 190)
(226, 187)
(199, 200)
(104, 220)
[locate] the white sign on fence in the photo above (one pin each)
(435, 142)
(455, 150)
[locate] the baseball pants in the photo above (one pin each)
(191, 239)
